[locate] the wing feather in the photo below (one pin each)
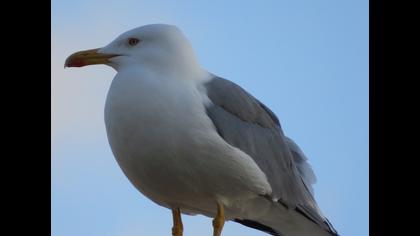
(247, 124)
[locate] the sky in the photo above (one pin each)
(306, 60)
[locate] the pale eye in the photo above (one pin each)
(133, 41)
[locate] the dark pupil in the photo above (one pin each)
(133, 41)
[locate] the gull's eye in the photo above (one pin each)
(133, 41)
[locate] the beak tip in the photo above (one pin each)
(66, 63)
(74, 62)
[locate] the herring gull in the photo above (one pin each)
(196, 143)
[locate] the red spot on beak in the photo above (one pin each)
(75, 63)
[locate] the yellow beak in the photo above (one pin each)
(88, 57)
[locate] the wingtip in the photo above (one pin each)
(331, 228)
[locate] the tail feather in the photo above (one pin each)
(258, 226)
(278, 220)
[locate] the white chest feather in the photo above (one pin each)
(155, 112)
(167, 146)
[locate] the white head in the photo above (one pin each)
(158, 48)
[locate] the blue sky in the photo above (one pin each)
(306, 60)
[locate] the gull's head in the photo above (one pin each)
(157, 48)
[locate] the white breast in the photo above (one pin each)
(168, 148)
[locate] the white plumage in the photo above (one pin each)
(168, 147)
(189, 140)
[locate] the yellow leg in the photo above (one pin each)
(219, 221)
(177, 229)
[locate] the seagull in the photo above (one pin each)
(196, 143)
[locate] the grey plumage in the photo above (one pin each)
(246, 123)
(305, 170)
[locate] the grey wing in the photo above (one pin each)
(308, 178)
(245, 123)
(301, 162)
